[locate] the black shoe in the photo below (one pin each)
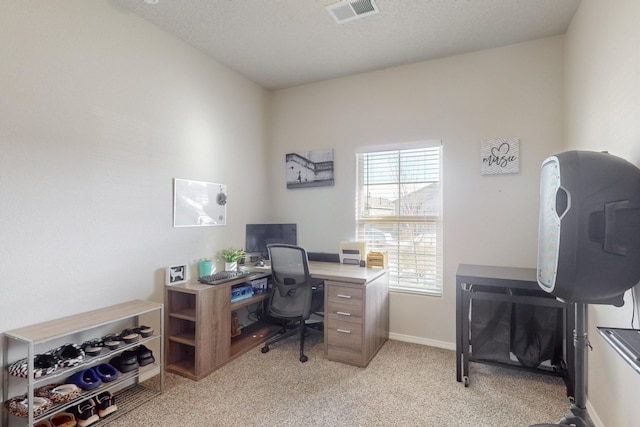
(92, 347)
(126, 362)
(129, 336)
(106, 404)
(144, 355)
(69, 355)
(85, 413)
(144, 331)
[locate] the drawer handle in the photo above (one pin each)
(344, 331)
(342, 313)
(344, 296)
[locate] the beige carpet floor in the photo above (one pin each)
(404, 385)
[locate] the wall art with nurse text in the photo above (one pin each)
(500, 156)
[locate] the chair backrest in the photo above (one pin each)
(291, 296)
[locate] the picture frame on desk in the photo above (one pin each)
(177, 274)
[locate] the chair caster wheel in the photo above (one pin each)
(303, 358)
(265, 349)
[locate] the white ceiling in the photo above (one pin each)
(283, 43)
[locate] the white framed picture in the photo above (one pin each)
(177, 274)
(500, 156)
(199, 203)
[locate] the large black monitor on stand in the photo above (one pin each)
(588, 243)
(258, 236)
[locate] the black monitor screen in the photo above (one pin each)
(258, 236)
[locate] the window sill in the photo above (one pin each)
(415, 291)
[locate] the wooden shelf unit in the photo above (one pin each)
(198, 318)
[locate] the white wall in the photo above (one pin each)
(603, 111)
(99, 111)
(513, 91)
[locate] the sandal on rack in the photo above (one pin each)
(126, 362)
(63, 419)
(43, 364)
(106, 372)
(144, 355)
(59, 393)
(106, 404)
(92, 347)
(69, 355)
(85, 412)
(19, 406)
(86, 379)
(112, 341)
(144, 331)
(43, 423)
(129, 336)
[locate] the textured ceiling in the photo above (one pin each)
(283, 43)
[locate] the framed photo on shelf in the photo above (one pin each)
(177, 274)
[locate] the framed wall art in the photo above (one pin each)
(198, 203)
(310, 169)
(500, 156)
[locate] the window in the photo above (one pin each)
(399, 209)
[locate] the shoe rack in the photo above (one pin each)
(130, 389)
(198, 320)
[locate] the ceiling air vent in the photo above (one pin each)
(348, 10)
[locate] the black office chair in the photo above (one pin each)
(295, 295)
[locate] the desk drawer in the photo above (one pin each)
(344, 355)
(344, 294)
(344, 341)
(345, 334)
(347, 311)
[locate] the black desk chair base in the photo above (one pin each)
(301, 329)
(295, 295)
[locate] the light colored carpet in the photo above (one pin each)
(404, 385)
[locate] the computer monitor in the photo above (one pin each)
(258, 236)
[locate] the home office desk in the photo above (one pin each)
(356, 307)
(514, 286)
(198, 319)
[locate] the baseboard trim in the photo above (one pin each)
(424, 341)
(593, 415)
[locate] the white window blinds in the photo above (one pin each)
(399, 208)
